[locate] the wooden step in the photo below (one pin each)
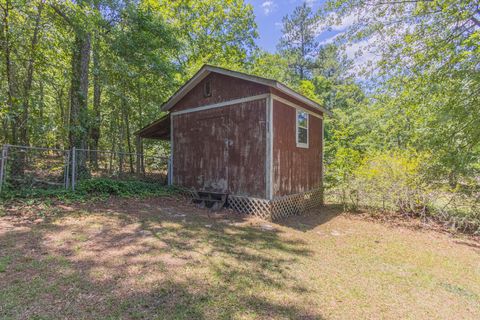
(212, 200)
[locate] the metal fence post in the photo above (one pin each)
(67, 169)
(74, 169)
(2, 165)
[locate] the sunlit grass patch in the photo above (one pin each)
(163, 259)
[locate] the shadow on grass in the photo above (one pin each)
(141, 260)
(312, 219)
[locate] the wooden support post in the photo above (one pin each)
(169, 171)
(322, 165)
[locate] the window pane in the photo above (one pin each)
(302, 119)
(302, 135)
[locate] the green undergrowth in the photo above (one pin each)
(90, 189)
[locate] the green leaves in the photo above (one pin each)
(141, 52)
(211, 31)
(426, 79)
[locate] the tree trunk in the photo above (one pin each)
(78, 130)
(27, 85)
(129, 142)
(42, 102)
(113, 130)
(139, 149)
(12, 96)
(95, 123)
(126, 131)
(121, 150)
(5, 134)
(63, 119)
(18, 163)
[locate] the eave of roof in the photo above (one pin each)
(207, 69)
(159, 129)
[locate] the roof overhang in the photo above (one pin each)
(159, 129)
(207, 69)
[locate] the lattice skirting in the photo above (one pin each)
(277, 208)
(187, 193)
(254, 206)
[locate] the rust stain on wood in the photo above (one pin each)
(222, 150)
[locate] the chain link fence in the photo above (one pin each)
(25, 167)
(118, 165)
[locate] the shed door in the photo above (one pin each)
(212, 151)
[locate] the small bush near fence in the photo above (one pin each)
(393, 182)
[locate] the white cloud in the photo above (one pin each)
(361, 51)
(365, 54)
(300, 2)
(333, 22)
(268, 6)
(331, 39)
(346, 22)
(367, 51)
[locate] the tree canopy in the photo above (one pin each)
(90, 73)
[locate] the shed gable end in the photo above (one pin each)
(221, 88)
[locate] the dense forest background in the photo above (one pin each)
(406, 128)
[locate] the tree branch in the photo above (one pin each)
(61, 14)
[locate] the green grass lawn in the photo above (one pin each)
(161, 258)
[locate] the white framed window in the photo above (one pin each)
(302, 129)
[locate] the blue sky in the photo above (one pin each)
(269, 14)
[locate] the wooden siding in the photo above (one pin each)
(295, 169)
(299, 103)
(222, 149)
(223, 88)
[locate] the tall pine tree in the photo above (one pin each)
(298, 41)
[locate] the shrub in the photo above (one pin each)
(102, 186)
(394, 182)
(458, 207)
(391, 181)
(388, 181)
(90, 188)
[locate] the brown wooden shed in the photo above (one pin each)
(249, 137)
